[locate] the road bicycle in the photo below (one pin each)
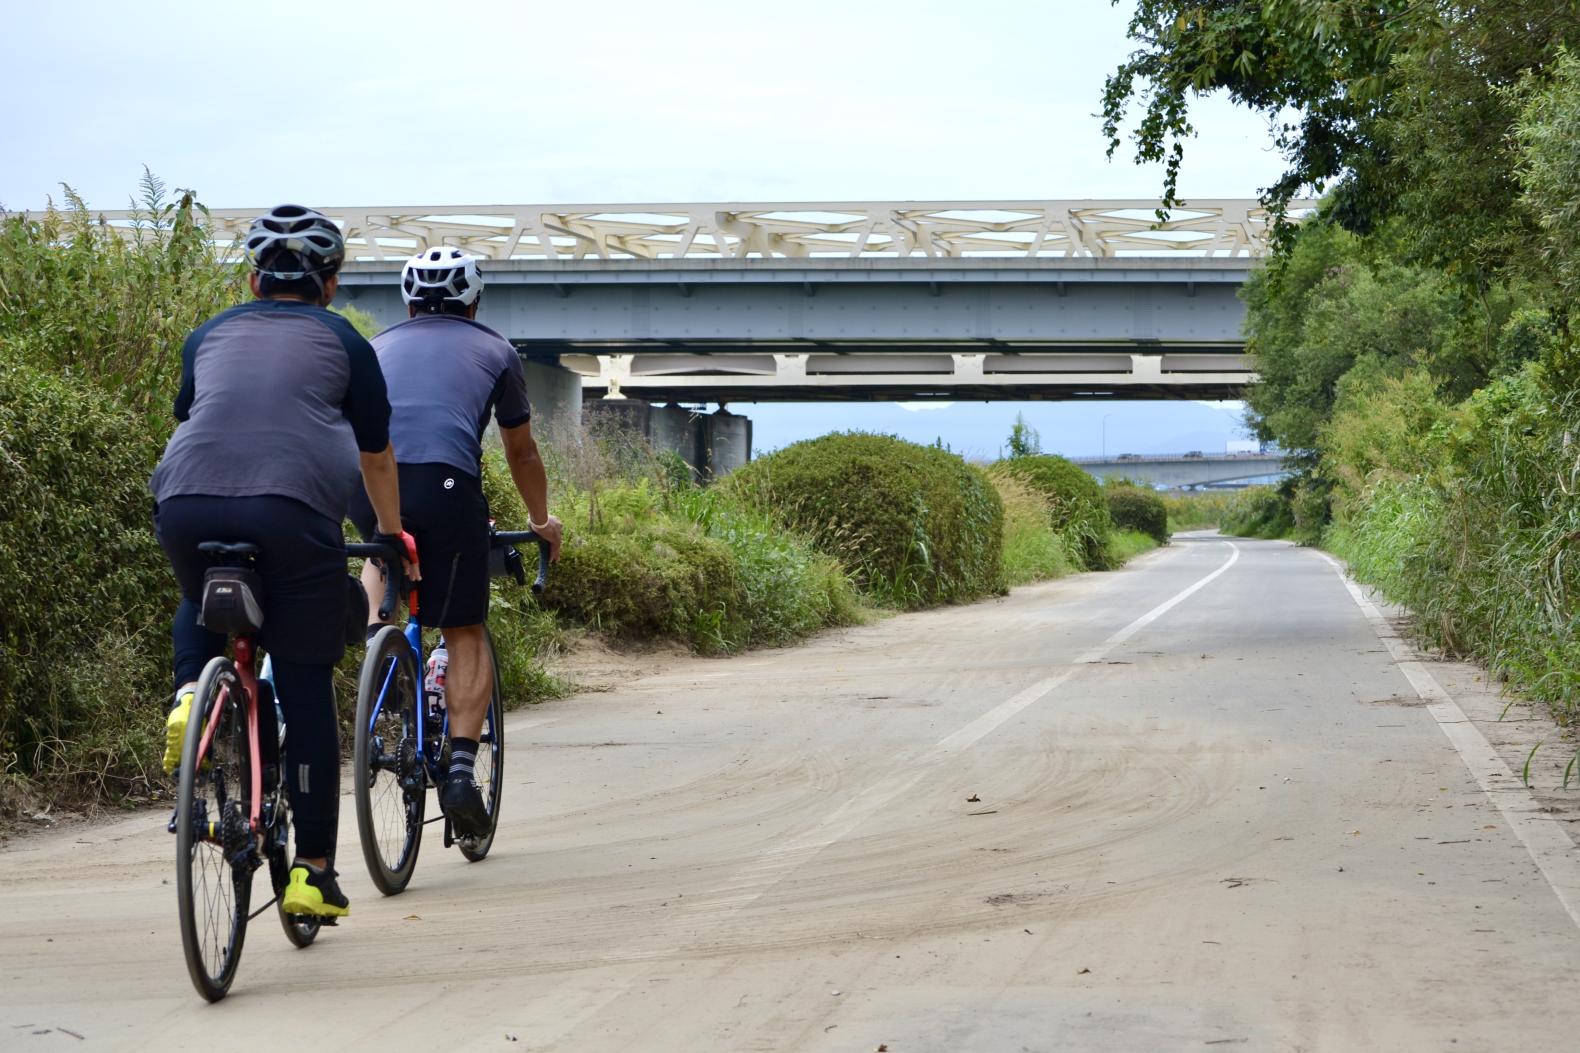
(232, 814)
(401, 746)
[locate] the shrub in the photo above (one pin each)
(914, 525)
(1075, 502)
(1033, 550)
(85, 595)
(1259, 511)
(1126, 545)
(1197, 510)
(1133, 508)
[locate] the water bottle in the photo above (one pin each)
(438, 665)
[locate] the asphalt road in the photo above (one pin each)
(1198, 803)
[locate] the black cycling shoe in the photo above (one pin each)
(462, 802)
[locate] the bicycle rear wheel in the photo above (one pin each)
(391, 790)
(213, 837)
(490, 765)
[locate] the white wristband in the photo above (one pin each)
(536, 528)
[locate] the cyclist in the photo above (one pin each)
(280, 402)
(447, 373)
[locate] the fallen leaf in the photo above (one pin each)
(973, 799)
(1083, 972)
(412, 917)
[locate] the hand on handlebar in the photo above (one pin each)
(552, 531)
(403, 542)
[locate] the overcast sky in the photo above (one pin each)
(396, 103)
(385, 103)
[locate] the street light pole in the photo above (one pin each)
(1105, 435)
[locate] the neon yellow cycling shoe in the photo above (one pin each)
(176, 729)
(313, 892)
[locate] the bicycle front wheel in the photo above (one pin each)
(490, 766)
(214, 840)
(391, 790)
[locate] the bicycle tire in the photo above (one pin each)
(212, 895)
(391, 788)
(490, 765)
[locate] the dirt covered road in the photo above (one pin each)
(1204, 802)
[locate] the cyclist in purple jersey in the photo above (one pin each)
(447, 375)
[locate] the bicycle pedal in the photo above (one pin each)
(170, 827)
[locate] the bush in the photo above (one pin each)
(914, 525)
(1198, 510)
(85, 595)
(1259, 511)
(1133, 508)
(1033, 550)
(1075, 503)
(1126, 545)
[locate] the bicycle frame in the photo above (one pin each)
(245, 659)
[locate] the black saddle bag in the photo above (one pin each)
(232, 600)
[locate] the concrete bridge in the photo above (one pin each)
(1182, 471)
(838, 301)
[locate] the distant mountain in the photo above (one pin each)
(979, 430)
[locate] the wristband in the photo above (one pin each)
(537, 528)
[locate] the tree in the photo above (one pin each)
(1023, 439)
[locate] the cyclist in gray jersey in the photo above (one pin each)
(280, 399)
(447, 374)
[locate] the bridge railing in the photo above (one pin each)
(1024, 229)
(1145, 458)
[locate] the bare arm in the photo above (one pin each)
(532, 482)
(382, 482)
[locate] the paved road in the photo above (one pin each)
(1075, 819)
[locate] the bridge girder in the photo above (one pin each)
(1023, 228)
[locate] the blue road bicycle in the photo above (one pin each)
(402, 744)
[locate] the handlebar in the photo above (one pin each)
(501, 541)
(505, 539)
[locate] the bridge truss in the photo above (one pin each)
(1024, 229)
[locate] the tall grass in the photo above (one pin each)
(1033, 549)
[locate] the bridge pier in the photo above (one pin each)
(556, 397)
(712, 444)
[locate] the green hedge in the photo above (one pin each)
(85, 595)
(1259, 511)
(1075, 503)
(1133, 508)
(915, 525)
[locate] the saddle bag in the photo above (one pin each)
(232, 600)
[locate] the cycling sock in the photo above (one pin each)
(463, 754)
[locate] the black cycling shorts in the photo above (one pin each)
(303, 566)
(444, 509)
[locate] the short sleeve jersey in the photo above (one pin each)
(276, 399)
(447, 375)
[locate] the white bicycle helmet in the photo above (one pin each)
(292, 241)
(441, 275)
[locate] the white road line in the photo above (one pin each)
(1549, 847)
(753, 880)
(762, 875)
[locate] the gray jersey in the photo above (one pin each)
(276, 399)
(446, 376)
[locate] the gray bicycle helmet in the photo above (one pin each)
(292, 241)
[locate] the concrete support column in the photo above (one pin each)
(556, 397)
(713, 444)
(728, 437)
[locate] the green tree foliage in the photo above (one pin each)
(914, 525)
(1023, 438)
(1398, 106)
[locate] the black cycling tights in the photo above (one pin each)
(312, 742)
